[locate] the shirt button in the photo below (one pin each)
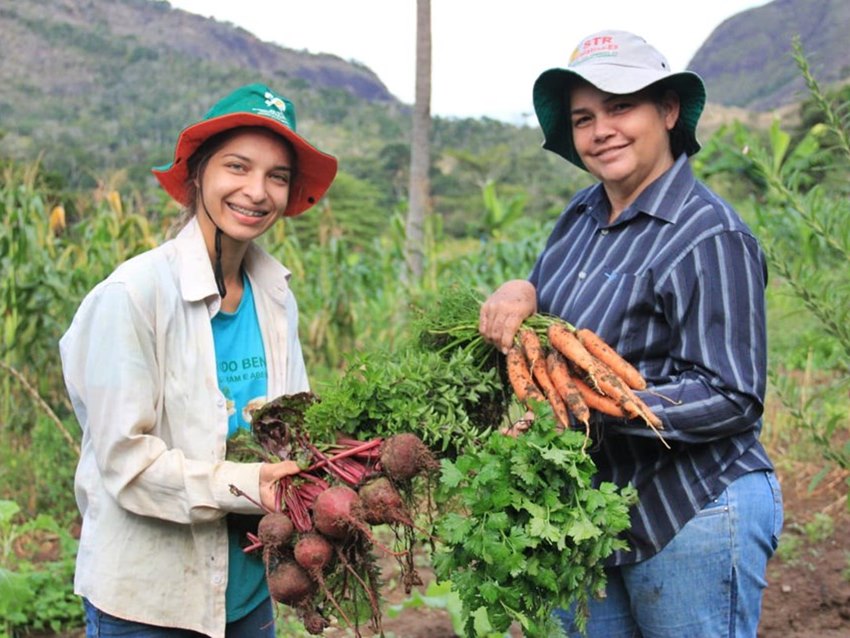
(217, 579)
(604, 231)
(220, 402)
(582, 275)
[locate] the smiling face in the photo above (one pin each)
(623, 139)
(244, 185)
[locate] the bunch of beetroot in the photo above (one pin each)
(317, 544)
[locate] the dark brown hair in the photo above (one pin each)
(679, 133)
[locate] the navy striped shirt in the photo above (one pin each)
(676, 286)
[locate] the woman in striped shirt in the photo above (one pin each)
(669, 275)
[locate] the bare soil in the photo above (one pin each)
(808, 592)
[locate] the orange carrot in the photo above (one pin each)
(519, 374)
(560, 374)
(632, 404)
(559, 408)
(536, 356)
(605, 353)
(596, 401)
(531, 345)
(566, 342)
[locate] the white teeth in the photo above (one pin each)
(247, 212)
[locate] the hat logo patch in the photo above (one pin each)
(598, 46)
(278, 112)
(273, 100)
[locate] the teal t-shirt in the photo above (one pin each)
(242, 378)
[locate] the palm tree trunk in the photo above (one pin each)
(420, 161)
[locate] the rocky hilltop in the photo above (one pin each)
(747, 61)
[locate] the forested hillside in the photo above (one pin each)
(97, 89)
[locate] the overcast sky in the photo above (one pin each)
(486, 54)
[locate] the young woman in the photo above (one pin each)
(165, 359)
(669, 275)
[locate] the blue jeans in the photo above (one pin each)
(706, 583)
(258, 624)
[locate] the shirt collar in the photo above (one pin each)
(664, 198)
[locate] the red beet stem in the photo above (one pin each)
(297, 509)
(340, 472)
(253, 547)
(351, 451)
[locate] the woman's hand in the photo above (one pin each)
(270, 474)
(504, 311)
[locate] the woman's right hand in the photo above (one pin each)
(505, 310)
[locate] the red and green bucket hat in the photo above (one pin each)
(253, 105)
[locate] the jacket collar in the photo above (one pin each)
(197, 281)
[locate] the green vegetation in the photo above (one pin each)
(529, 533)
(56, 242)
(36, 572)
(798, 195)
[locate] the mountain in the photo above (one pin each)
(747, 61)
(65, 34)
(97, 90)
(106, 83)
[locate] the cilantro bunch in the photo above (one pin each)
(523, 530)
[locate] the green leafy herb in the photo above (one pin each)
(524, 531)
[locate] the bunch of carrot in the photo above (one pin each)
(575, 371)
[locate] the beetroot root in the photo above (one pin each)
(338, 514)
(404, 456)
(381, 503)
(290, 584)
(335, 512)
(275, 529)
(313, 552)
(313, 622)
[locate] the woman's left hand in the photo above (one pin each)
(270, 474)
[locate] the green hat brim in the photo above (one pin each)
(551, 105)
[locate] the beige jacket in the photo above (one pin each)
(152, 483)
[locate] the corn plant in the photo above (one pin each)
(48, 263)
